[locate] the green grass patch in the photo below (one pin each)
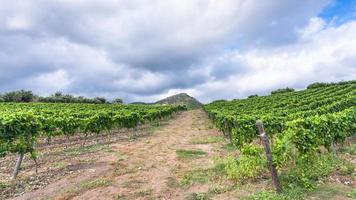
(195, 176)
(329, 191)
(143, 193)
(230, 147)
(88, 185)
(208, 140)
(352, 194)
(198, 196)
(215, 174)
(349, 149)
(3, 186)
(186, 154)
(219, 189)
(296, 193)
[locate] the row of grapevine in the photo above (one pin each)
(22, 124)
(302, 120)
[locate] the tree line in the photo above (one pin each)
(58, 97)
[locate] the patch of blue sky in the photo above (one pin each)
(339, 11)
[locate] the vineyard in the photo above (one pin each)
(216, 151)
(299, 123)
(23, 124)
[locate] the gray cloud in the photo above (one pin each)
(143, 50)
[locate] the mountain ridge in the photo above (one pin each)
(181, 99)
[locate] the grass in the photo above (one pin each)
(120, 197)
(195, 176)
(219, 189)
(172, 182)
(133, 184)
(60, 165)
(198, 196)
(143, 193)
(230, 147)
(85, 150)
(186, 154)
(352, 194)
(3, 185)
(202, 175)
(349, 149)
(329, 191)
(85, 186)
(208, 140)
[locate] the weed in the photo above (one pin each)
(143, 193)
(185, 154)
(349, 149)
(329, 191)
(172, 182)
(195, 176)
(352, 194)
(198, 196)
(208, 140)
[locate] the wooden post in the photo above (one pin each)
(267, 148)
(17, 166)
(228, 131)
(334, 148)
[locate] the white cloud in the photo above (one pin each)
(144, 50)
(328, 55)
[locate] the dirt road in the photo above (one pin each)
(168, 164)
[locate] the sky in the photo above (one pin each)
(144, 50)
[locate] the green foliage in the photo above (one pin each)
(182, 153)
(18, 96)
(309, 169)
(352, 194)
(59, 97)
(319, 84)
(283, 90)
(117, 101)
(198, 196)
(298, 124)
(252, 96)
(21, 124)
(247, 166)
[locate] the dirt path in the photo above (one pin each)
(159, 166)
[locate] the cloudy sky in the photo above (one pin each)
(143, 50)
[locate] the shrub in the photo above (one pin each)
(248, 166)
(282, 90)
(19, 96)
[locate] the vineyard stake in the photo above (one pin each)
(18, 164)
(267, 148)
(228, 130)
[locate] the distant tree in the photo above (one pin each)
(219, 101)
(252, 96)
(283, 90)
(19, 96)
(100, 99)
(117, 101)
(58, 94)
(1, 98)
(317, 85)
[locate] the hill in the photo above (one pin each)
(182, 99)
